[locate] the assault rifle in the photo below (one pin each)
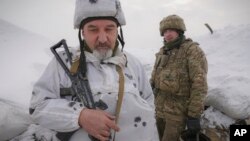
(80, 84)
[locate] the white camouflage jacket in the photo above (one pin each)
(137, 116)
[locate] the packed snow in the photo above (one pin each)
(24, 55)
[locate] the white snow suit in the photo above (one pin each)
(137, 116)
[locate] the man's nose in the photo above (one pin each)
(102, 37)
(167, 32)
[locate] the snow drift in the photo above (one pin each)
(228, 55)
(14, 119)
(23, 57)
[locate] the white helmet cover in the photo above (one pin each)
(98, 8)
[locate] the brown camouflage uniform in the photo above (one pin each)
(179, 80)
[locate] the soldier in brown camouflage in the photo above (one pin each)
(179, 81)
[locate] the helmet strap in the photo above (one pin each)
(121, 38)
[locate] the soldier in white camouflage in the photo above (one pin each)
(179, 81)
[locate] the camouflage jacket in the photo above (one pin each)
(179, 80)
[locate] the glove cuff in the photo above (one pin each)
(193, 124)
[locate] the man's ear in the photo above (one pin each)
(82, 33)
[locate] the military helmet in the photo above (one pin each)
(172, 22)
(85, 9)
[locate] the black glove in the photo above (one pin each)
(193, 128)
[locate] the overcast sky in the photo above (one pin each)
(143, 17)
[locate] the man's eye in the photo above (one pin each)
(109, 29)
(93, 30)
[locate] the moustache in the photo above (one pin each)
(102, 45)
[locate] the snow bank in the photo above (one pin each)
(14, 119)
(23, 57)
(212, 118)
(231, 99)
(228, 57)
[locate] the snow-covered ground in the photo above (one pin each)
(24, 55)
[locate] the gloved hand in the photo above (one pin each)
(193, 128)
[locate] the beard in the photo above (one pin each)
(102, 54)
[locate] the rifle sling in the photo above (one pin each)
(120, 92)
(120, 95)
(75, 66)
